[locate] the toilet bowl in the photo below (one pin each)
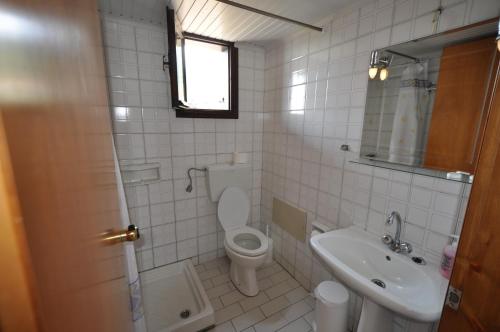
(246, 247)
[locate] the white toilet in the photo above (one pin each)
(246, 247)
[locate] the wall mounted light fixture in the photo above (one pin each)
(384, 73)
(379, 64)
(373, 70)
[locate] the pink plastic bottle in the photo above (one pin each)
(449, 253)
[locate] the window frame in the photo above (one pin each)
(186, 112)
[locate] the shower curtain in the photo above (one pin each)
(136, 305)
(409, 118)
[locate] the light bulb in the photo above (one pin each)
(383, 74)
(498, 43)
(372, 72)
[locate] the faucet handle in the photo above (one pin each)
(387, 239)
(405, 247)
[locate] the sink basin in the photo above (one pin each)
(363, 263)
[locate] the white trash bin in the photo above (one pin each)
(332, 301)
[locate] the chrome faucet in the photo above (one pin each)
(395, 244)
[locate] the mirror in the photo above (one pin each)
(427, 100)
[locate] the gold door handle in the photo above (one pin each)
(129, 234)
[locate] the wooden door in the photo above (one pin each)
(457, 117)
(57, 186)
(477, 266)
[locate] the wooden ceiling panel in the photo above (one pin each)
(214, 19)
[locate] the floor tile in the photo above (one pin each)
(275, 305)
(271, 324)
(218, 291)
(207, 284)
(251, 302)
(216, 303)
(264, 283)
(232, 297)
(296, 310)
(296, 295)
(299, 325)
(204, 275)
(280, 276)
(250, 329)
(278, 289)
(281, 305)
(265, 272)
(225, 327)
(227, 313)
(248, 319)
(309, 317)
(220, 279)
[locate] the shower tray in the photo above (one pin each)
(174, 299)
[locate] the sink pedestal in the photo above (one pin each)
(374, 317)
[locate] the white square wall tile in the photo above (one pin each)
(182, 144)
(442, 224)
(185, 209)
(447, 204)
(161, 192)
(157, 145)
(403, 11)
(187, 248)
(186, 229)
(207, 243)
(162, 213)
(164, 234)
(164, 255)
(384, 18)
(140, 217)
(421, 197)
(401, 33)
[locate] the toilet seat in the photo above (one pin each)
(243, 239)
(233, 211)
(233, 208)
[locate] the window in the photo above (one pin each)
(203, 74)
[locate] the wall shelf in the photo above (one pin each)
(453, 176)
(135, 174)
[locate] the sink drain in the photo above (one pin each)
(419, 260)
(378, 282)
(185, 314)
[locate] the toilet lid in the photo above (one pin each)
(233, 209)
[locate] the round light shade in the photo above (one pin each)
(372, 72)
(383, 74)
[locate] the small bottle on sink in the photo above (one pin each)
(449, 253)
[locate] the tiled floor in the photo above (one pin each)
(282, 304)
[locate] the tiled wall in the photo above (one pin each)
(315, 90)
(175, 224)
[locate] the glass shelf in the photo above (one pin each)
(453, 176)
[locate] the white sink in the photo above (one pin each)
(356, 258)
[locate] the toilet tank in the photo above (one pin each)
(221, 176)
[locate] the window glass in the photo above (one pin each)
(180, 65)
(203, 74)
(207, 75)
